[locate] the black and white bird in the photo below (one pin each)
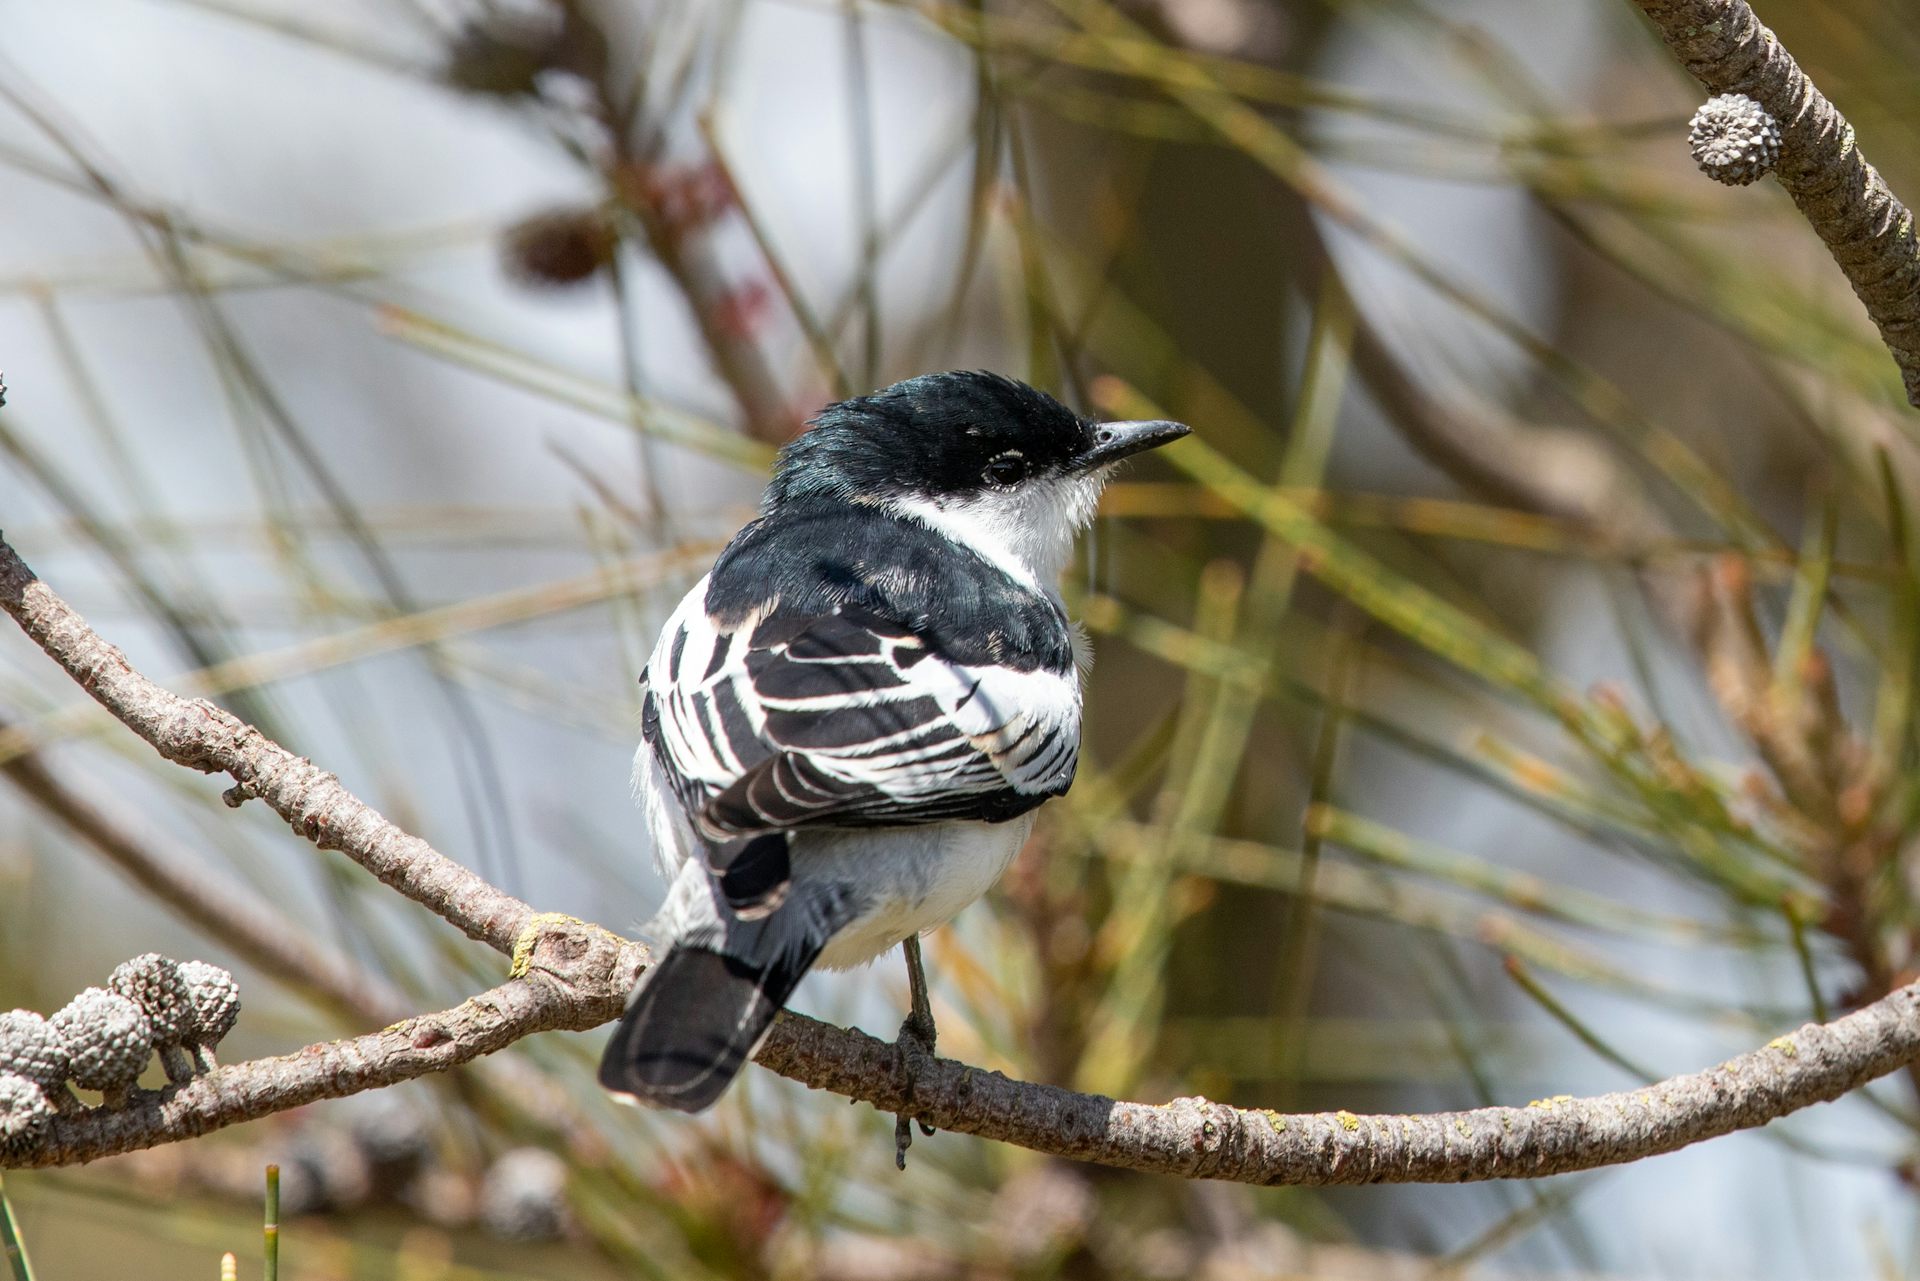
(849, 722)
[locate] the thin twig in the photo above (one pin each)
(406, 1050)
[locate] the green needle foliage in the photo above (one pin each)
(1508, 686)
(19, 1267)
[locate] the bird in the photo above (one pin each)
(848, 723)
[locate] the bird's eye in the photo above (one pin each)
(1007, 469)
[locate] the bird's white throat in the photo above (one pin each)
(1027, 531)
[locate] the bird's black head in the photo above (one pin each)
(1003, 470)
(948, 438)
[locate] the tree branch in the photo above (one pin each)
(1866, 228)
(195, 733)
(541, 1002)
(1199, 1139)
(226, 909)
(572, 976)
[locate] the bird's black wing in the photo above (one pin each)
(848, 719)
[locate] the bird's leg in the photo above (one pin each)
(919, 1022)
(915, 1044)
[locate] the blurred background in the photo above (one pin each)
(1507, 693)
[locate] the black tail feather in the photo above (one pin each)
(754, 874)
(696, 1019)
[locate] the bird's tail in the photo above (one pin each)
(695, 1019)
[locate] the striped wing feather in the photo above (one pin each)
(848, 720)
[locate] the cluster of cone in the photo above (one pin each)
(104, 1038)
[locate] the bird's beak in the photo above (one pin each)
(1114, 441)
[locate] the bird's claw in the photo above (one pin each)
(914, 1045)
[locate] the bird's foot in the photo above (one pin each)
(914, 1045)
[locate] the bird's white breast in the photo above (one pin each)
(918, 878)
